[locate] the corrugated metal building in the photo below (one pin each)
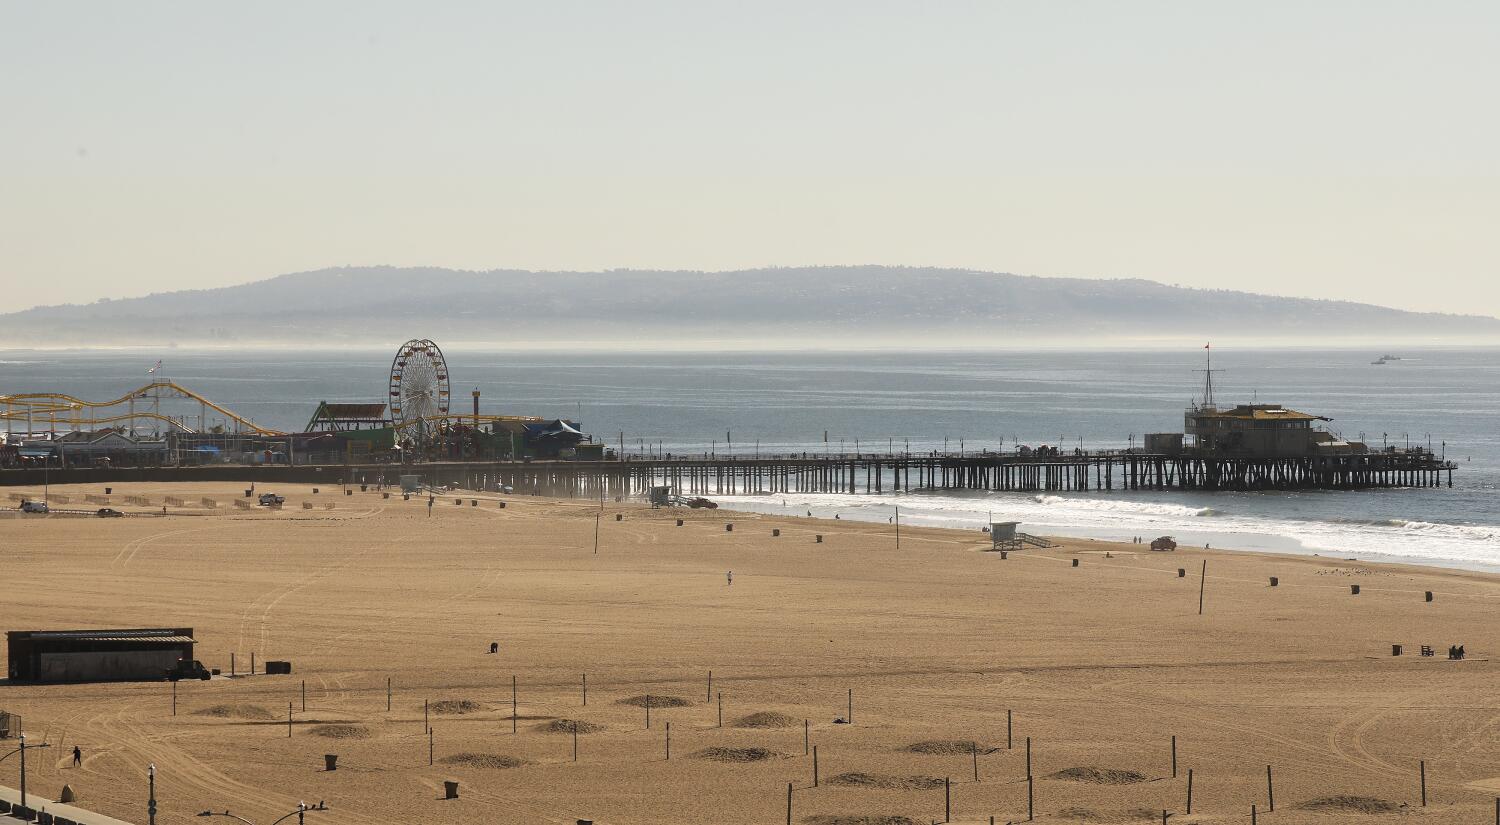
(96, 655)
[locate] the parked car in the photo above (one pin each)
(1164, 543)
(106, 512)
(188, 669)
(29, 506)
(271, 500)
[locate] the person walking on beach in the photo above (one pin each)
(77, 756)
(729, 579)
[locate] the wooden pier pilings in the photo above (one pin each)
(867, 474)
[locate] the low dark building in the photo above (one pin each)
(96, 655)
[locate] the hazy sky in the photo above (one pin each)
(1333, 149)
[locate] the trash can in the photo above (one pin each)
(1275, 581)
(1004, 554)
(108, 490)
(1428, 595)
(330, 761)
(820, 539)
(619, 516)
(450, 789)
(1075, 562)
(1181, 573)
(776, 532)
(1395, 650)
(729, 528)
(1354, 590)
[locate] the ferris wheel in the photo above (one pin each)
(419, 383)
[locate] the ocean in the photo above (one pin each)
(777, 402)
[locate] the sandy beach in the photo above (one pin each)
(1099, 665)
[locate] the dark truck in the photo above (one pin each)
(188, 669)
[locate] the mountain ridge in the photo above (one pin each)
(842, 303)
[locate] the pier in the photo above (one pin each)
(875, 474)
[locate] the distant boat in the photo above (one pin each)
(1384, 358)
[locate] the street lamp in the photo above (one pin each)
(22, 750)
(302, 809)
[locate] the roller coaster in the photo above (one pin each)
(45, 411)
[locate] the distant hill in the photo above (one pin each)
(838, 306)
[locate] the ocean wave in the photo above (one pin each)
(1232, 523)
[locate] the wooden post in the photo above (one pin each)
(974, 751)
(304, 695)
(815, 766)
(1030, 809)
(710, 684)
(174, 698)
(947, 799)
(231, 664)
(1270, 791)
(575, 740)
(252, 663)
(387, 694)
(1190, 791)
(1028, 757)
(648, 711)
(721, 708)
(669, 741)
(289, 720)
(512, 704)
(1252, 813)
(585, 690)
(851, 706)
(1007, 729)
(788, 803)
(425, 725)
(806, 735)
(596, 534)
(1423, 767)
(1174, 756)
(1202, 579)
(429, 746)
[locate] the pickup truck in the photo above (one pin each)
(271, 500)
(29, 506)
(109, 512)
(188, 669)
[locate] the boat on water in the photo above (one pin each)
(1386, 358)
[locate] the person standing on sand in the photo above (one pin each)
(77, 756)
(729, 579)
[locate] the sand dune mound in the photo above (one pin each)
(1353, 804)
(455, 706)
(875, 780)
(1077, 812)
(718, 754)
(566, 726)
(944, 747)
(236, 712)
(657, 701)
(483, 760)
(767, 719)
(336, 731)
(866, 819)
(1098, 776)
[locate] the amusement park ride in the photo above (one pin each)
(419, 400)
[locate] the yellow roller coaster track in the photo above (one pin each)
(30, 406)
(19, 407)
